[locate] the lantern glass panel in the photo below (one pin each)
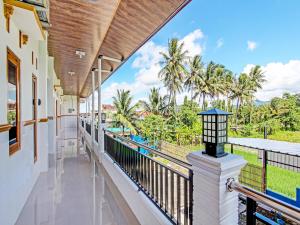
(208, 118)
(213, 126)
(209, 125)
(205, 125)
(205, 138)
(213, 118)
(213, 140)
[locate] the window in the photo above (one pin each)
(13, 101)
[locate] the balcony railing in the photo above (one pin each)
(263, 208)
(96, 134)
(169, 189)
(88, 128)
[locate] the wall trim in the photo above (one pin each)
(28, 122)
(27, 7)
(5, 127)
(43, 120)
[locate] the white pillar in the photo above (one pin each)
(100, 132)
(93, 110)
(213, 204)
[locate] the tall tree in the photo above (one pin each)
(194, 74)
(125, 116)
(256, 79)
(155, 103)
(205, 84)
(240, 91)
(173, 69)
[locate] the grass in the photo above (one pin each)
(279, 180)
(290, 136)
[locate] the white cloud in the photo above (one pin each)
(220, 42)
(280, 78)
(192, 42)
(251, 45)
(147, 64)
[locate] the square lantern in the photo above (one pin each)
(214, 131)
(103, 117)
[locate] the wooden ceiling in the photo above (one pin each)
(114, 28)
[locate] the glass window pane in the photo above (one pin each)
(213, 118)
(205, 125)
(209, 118)
(205, 132)
(205, 138)
(213, 140)
(209, 139)
(205, 118)
(209, 125)
(213, 133)
(12, 102)
(213, 126)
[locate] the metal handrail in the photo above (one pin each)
(291, 212)
(166, 156)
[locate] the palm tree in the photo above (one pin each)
(256, 77)
(173, 69)
(196, 70)
(228, 85)
(155, 103)
(205, 84)
(240, 91)
(125, 115)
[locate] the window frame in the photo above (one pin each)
(12, 58)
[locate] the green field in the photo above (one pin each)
(290, 136)
(280, 180)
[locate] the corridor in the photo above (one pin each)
(70, 193)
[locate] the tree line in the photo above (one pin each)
(210, 85)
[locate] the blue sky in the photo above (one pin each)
(235, 33)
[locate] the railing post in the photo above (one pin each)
(251, 209)
(231, 148)
(212, 202)
(264, 170)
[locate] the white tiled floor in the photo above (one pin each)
(70, 194)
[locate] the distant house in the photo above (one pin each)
(109, 108)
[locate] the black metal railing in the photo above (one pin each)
(263, 208)
(256, 175)
(88, 128)
(169, 189)
(96, 134)
(82, 123)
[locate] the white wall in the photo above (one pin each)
(18, 172)
(69, 118)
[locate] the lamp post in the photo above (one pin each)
(215, 131)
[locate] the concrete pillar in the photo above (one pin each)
(100, 132)
(93, 110)
(213, 204)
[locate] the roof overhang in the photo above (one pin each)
(114, 28)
